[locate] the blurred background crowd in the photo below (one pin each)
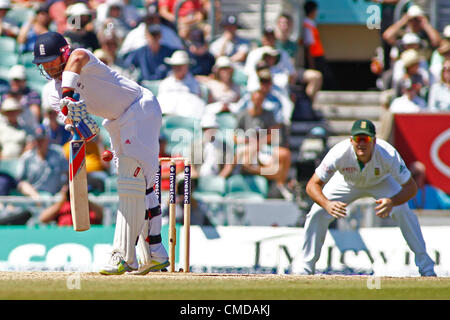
(211, 78)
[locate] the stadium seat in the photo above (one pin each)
(239, 77)
(111, 185)
(190, 129)
(26, 59)
(8, 59)
(20, 15)
(152, 85)
(210, 187)
(7, 44)
(226, 121)
(247, 186)
(9, 167)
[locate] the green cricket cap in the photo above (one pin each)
(363, 126)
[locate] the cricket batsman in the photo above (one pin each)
(133, 119)
(362, 166)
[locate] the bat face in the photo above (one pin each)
(78, 185)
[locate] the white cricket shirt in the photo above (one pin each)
(107, 94)
(341, 160)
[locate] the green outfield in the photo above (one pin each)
(180, 286)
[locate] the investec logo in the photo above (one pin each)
(172, 184)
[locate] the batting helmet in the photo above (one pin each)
(49, 46)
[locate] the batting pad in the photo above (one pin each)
(131, 212)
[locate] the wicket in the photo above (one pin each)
(172, 208)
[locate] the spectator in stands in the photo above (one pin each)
(443, 53)
(150, 59)
(114, 19)
(409, 101)
(281, 67)
(57, 133)
(202, 60)
(427, 196)
(8, 28)
(387, 19)
(14, 137)
(80, 31)
(283, 31)
(29, 98)
(107, 53)
(136, 38)
(191, 14)
(60, 211)
(411, 61)
(415, 21)
(413, 67)
(210, 154)
(314, 51)
(38, 24)
(121, 9)
(7, 182)
(180, 93)
(439, 97)
(274, 164)
(57, 12)
(96, 168)
(42, 169)
(222, 90)
(230, 44)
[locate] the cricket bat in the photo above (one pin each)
(78, 188)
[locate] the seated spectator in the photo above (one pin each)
(409, 101)
(38, 24)
(8, 28)
(427, 196)
(211, 155)
(180, 93)
(415, 21)
(28, 98)
(439, 97)
(222, 90)
(274, 164)
(128, 12)
(57, 133)
(107, 53)
(191, 14)
(43, 169)
(275, 99)
(411, 58)
(202, 60)
(136, 38)
(444, 54)
(114, 18)
(283, 31)
(57, 12)
(61, 213)
(230, 44)
(80, 27)
(14, 137)
(150, 59)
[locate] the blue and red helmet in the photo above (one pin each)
(49, 46)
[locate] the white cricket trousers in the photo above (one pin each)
(318, 220)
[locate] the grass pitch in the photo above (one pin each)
(195, 286)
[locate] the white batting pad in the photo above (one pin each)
(131, 212)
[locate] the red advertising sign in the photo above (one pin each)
(426, 138)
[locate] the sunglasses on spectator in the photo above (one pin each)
(366, 139)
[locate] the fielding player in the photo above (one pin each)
(361, 166)
(133, 119)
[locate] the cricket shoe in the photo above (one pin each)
(151, 266)
(116, 266)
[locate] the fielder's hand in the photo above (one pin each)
(337, 209)
(383, 208)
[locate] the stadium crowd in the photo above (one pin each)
(222, 81)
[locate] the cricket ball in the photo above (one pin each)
(107, 155)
